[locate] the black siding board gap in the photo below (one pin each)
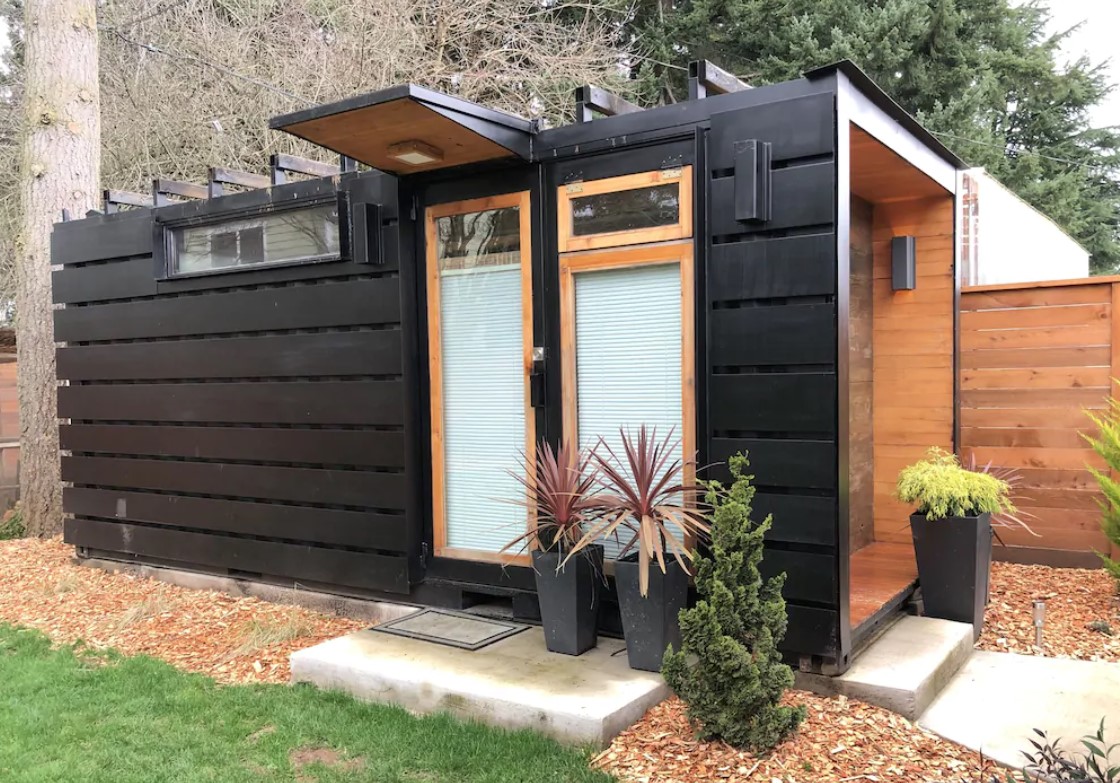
(328, 402)
(255, 482)
(363, 529)
(801, 196)
(327, 353)
(783, 463)
(352, 303)
(332, 566)
(793, 334)
(358, 448)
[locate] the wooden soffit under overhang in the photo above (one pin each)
(366, 126)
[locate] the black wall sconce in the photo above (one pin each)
(904, 276)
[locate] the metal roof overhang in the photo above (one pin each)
(366, 126)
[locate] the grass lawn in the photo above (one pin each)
(72, 714)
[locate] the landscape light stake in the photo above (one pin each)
(1039, 614)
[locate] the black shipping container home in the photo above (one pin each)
(323, 382)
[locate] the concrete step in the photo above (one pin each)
(904, 669)
(514, 683)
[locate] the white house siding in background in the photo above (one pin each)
(1006, 240)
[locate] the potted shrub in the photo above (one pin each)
(559, 494)
(952, 530)
(647, 498)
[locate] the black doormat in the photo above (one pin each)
(454, 629)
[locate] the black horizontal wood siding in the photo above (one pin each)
(256, 421)
(770, 330)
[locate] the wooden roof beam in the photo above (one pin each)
(591, 99)
(113, 200)
(705, 79)
(220, 177)
(164, 189)
(282, 165)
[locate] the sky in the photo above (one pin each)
(1099, 37)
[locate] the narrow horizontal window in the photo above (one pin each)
(634, 209)
(285, 237)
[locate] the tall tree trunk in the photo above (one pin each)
(59, 169)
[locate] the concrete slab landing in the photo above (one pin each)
(904, 669)
(514, 683)
(999, 698)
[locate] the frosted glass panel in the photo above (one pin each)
(628, 355)
(483, 377)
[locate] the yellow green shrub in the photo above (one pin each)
(941, 488)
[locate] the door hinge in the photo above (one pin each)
(424, 551)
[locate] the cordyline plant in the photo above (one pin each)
(1013, 516)
(645, 493)
(559, 493)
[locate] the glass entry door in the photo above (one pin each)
(479, 287)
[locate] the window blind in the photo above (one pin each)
(483, 405)
(628, 356)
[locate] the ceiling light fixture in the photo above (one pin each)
(415, 153)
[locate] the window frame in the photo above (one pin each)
(568, 242)
(166, 255)
(571, 264)
(432, 213)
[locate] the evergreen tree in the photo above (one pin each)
(1107, 444)
(983, 74)
(728, 671)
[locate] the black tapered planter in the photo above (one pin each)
(569, 598)
(954, 559)
(650, 624)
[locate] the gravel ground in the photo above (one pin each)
(1075, 600)
(237, 640)
(233, 640)
(841, 740)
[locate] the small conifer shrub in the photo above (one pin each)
(728, 671)
(1107, 444)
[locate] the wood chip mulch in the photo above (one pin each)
(1081, 610)
(840, 740)
(233, 640)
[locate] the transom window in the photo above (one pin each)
(653, 206)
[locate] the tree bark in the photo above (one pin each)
(59, 169)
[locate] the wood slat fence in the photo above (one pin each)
(1034, 358)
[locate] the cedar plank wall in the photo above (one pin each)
(1032, 358)
(771, 352)
(861, 387)
(251, 423)
(913, 351)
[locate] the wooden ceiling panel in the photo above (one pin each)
(879, 174)
(365, 134)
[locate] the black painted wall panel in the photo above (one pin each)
(368, 352)
(783, 463)
(314, 402)
(338, 527)
(778, 335)
(253, 421)
(773, 402)
(761, 268)
(802, 197)
(771, 359)
(372, 301)
(353, 447)
(364, 570)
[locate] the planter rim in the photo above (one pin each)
(920, 515)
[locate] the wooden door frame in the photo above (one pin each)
(521, 200)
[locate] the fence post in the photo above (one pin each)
(1114, 369)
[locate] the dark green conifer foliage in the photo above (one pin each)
(728, 671)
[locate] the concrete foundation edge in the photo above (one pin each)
(342, 606)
